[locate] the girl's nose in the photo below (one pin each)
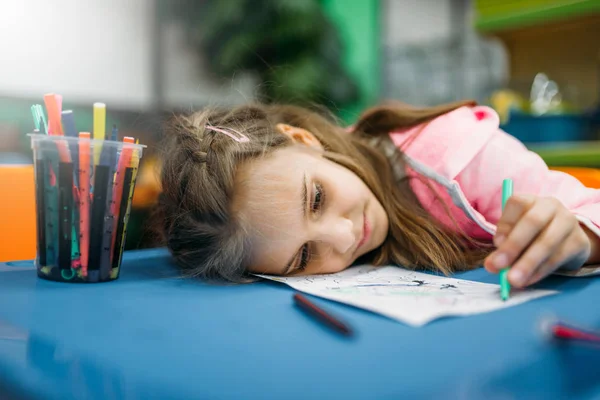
(338, 234)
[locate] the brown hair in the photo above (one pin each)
(198, 182)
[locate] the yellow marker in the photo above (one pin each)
(99, 128)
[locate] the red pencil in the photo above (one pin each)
(321, 314)
(565, 332)
(556, 329)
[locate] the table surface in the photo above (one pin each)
(154, 335)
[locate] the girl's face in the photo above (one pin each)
(308, 215)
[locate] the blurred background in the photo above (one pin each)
(537, 62)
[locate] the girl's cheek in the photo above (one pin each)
(330, 266)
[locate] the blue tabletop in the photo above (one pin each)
(154, 335)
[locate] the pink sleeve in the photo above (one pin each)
(502, 157)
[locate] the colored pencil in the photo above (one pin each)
(321, 315)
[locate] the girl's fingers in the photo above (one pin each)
(516, 206)
(523, 233)
(572, 255)
(542, 253)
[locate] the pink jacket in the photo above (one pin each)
(466, 157)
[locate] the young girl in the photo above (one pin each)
(283, 190)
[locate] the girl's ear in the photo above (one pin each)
(299, 135)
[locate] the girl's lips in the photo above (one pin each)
(366, 232)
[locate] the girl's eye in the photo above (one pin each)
(304, 258)
(319, 197)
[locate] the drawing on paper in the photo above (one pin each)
(408, 296)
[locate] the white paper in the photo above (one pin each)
(407, 296)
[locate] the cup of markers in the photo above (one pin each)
(84, 185)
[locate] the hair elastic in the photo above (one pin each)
(240, 139)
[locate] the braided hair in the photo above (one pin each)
(197, 176)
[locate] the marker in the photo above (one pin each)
(38, 115)
(40, 191)
(44, 122)
(59, 100)
(49, 148)
(99, 189)
(107, 162)
(68, 122)
(123, 165)
(507, 191)
(125, 210)
(121, 219)
(52, 106)
(84, 199)
(102, 178)
(99, 128)
(36, 118)
(65, 215)
(63, 173)
(322, 315)
(114, 134)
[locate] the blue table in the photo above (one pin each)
(153, 335)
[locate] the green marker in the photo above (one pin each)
(36, 117)
(507, 191)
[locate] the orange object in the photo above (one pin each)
(17, 213)
(147, 187)
(590, 177)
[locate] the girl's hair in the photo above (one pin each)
(198, 179)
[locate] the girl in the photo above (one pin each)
(284, 190)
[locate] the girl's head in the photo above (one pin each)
(284, 190)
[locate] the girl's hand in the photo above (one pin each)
(535, 237)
